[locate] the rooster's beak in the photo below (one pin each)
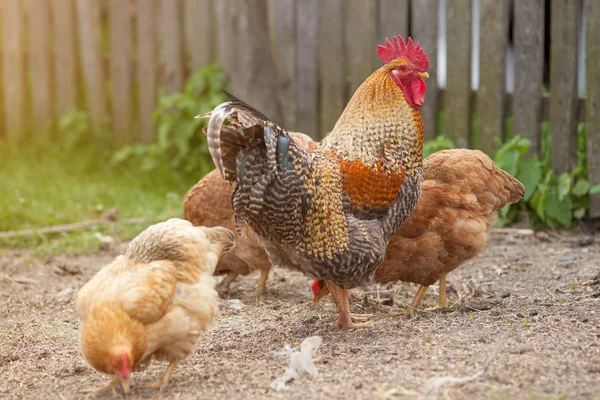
(423, 74)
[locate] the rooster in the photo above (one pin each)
(462, 191)
(208, 203)
(152, 302)
(330, 211)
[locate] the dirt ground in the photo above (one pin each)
(526, 325)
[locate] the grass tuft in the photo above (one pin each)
(46, 185)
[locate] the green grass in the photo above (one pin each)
(43, 186)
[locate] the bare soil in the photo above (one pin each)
(526, 324)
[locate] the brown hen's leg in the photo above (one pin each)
(164, 380)
(261, 285)
(223, 286)
(443, 297)
(417, 300)
(346, 319)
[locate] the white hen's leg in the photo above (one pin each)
(164, 380)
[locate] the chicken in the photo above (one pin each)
(330, 211)
(208, 203)
(462, 191)
(152, 302)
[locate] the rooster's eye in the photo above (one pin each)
(403, 68)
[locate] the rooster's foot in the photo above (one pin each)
(352, 325)
(360, 317)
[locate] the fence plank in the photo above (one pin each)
(307, 26)
(331, 52)
(592, 118)
(493, 22)
(393, 18)
(172, 48)
(285, 58)
(65, 56)
(40, 66)
(425, 31)
(563, 84)
(121, 40)
(13, 49)
(92, 61)
(201, 43)
(458, 86)
(528, 36)
(228, 16)
(258, 71)
(361, 41)
(146, 65)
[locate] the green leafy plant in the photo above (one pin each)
(550, 199)
(438, 144)
(180, 142)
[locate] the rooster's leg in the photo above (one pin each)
(223, 286)
(346, 319)
(261, 285)
(417, 300)
(164, 380)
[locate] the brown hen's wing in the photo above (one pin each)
(208, 202)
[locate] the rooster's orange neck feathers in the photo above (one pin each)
(377, 116)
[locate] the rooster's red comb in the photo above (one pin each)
(400, 49)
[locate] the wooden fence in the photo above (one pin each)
(113, 58)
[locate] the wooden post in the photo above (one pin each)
(493, 23)
(563, 85)
(458, 75)
(65, 56)
(308, 91)
(172, 46)
(425, 31)
(13, 51)
(228, 16)
(40, 66)
(361, 41)
(285, 59)
(258, 73)
(200, 33)
(592, 109)
(394, 17)
(121, 44)
(528, 36)
(332, 54)
(93, 63)
(147, 65)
